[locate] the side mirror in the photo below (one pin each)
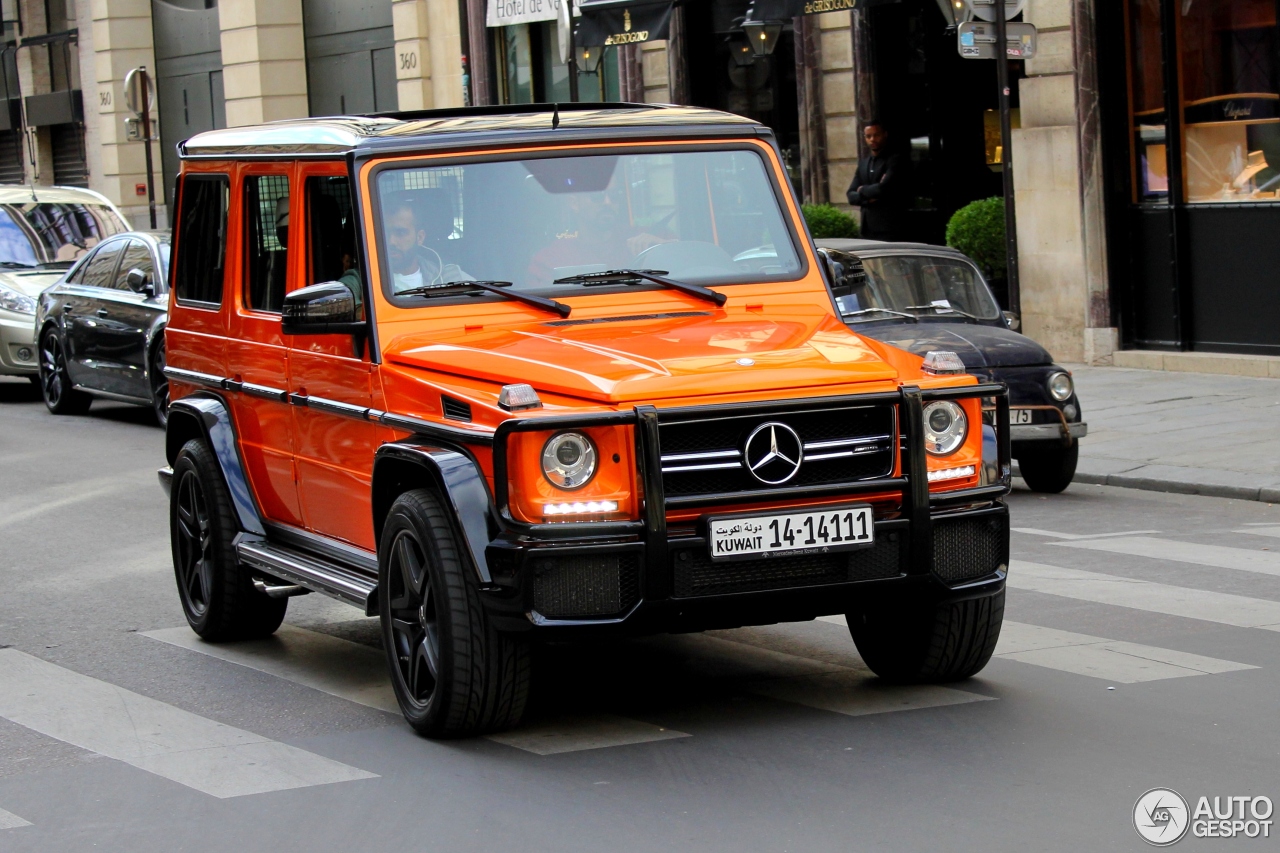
(325, 308)
(139, 282)
(1012, 320)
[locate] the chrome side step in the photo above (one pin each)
(313, 572)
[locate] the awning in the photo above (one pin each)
(606, 22)
(783, 10)
(505, 13)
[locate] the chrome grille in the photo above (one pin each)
(704, 455)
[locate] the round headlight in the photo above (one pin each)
(1061, 387)
(569, 460)
(945, 427)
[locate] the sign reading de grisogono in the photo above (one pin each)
(503, 13)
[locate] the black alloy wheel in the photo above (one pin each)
(55, 385)
(217, 592)
(159, 383)
(1049, 469)
(193, 545)
(454, 674)
(415, 624)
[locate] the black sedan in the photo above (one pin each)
(922, 298)
(100, 328)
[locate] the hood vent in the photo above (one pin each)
(629, 318)
(455, 410)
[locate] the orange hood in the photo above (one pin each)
(633, 359)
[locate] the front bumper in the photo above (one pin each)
(641, 577)
(18, 338)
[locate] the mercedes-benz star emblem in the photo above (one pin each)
(773, 453)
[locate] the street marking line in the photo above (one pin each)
(61, 503)
(1035, 531)
(574, 733)
(331, 665)
(202, 754)
(852, 691)
(1261, 530)
(9, 820)
(1240, 559)
(1099, 657)
(1220, 607)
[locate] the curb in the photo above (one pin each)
(1265, 494)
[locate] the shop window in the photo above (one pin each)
(266, 203)
(1146, 98)
(530, 70)
(1230, 100)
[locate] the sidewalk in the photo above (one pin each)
(1190, 433)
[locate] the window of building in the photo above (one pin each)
(1147, 116)
(266, 206)
(1230, 86)
(202, 239)
(527, 57)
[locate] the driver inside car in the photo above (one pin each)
(418, 225)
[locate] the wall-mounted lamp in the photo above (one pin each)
(762, 35)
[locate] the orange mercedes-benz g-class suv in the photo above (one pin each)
(500, 374)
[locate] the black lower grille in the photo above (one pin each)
(695, 574)
(970, 548)
(581, 587)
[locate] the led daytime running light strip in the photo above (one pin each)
(950, 474)
(581, 508)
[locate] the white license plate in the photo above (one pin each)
(1019, 416)
(757, 536)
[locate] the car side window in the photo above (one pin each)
(136, 257)
(266, 207)
(334, 250)
(202, 239)
(100, 270)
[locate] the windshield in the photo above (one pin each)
(53, 233)
(920, 285)
(710, 217)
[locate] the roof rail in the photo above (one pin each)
(510, 109)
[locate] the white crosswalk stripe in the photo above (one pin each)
(1223, 608)
(208, 756)
(575, 733)
(1052, 534)
(1098, 657)
(9, 820)
(1259, 530)
(1241, 559)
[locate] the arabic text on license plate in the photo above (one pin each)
(1019, 416)
(791, 533)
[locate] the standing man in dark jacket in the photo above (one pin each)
(880, 187)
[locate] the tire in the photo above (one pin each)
(217, 592)
(159, 383)
(1050, 469)
(947, 642)
(453, 673)
(55, 385)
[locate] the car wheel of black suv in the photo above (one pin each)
(1051, 469)
(217, 592)
(945, 642)
(59, 397)
(454, 675)
(159, 384)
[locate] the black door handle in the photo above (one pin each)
(102, 312)
(67, 308)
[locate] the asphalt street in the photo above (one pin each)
(1140, 650)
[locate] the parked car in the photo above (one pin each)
(921, 298)
(43, 230)
(496, 374)
(101, 327)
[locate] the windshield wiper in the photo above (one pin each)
(881, 311)
(946, 308)
(498, 287)
(656, 276)
(15, 265)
